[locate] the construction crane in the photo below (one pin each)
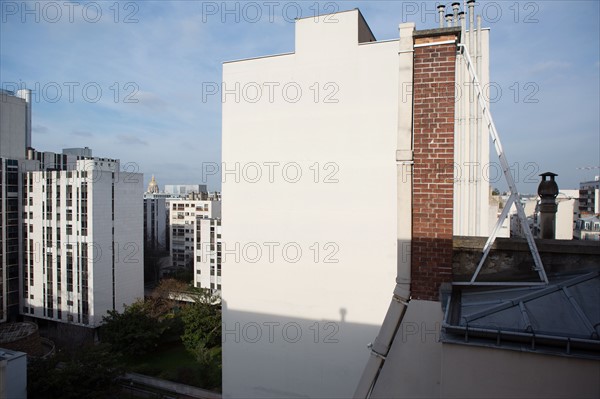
(588, 167)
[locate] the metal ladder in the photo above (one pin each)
(514, 196)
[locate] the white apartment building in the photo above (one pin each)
(183, 217)
(83, 239)
(207, 265)
(589, 197)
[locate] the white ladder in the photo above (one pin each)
(514, 196)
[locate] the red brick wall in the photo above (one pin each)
(434, 84)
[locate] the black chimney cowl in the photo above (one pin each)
(548, 188)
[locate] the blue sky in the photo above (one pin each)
(87, 62)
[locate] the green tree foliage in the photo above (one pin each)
(202, 334)
(202, 322)
(133, 332)
(90, 372)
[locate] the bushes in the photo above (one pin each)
(160, 322)
(88, 373)
(132, 332)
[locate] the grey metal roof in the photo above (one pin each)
(562, 317)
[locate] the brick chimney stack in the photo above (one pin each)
(433, 174)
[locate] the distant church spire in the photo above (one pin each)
(153, 186)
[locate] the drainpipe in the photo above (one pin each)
(404, 167)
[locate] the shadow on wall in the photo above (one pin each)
(274, 356)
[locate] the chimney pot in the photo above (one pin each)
(548, 191)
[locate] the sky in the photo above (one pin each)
(136, 80)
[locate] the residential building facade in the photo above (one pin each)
(183, 217)
(588, 228)
(207, 264)
(589, 197)
(83, 249)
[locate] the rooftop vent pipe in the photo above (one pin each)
(449, 19)
(455, 8)
(441, 8)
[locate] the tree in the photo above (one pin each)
(90, 372)
(163, 300)
(202, 333)
(202, 321)
(495, 191)
(132, 332)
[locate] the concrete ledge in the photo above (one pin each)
(437, 32)
(510, 259)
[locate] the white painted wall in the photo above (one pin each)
(129, 262)
(357, 137)
(567, 213)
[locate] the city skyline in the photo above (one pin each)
(142, 81)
